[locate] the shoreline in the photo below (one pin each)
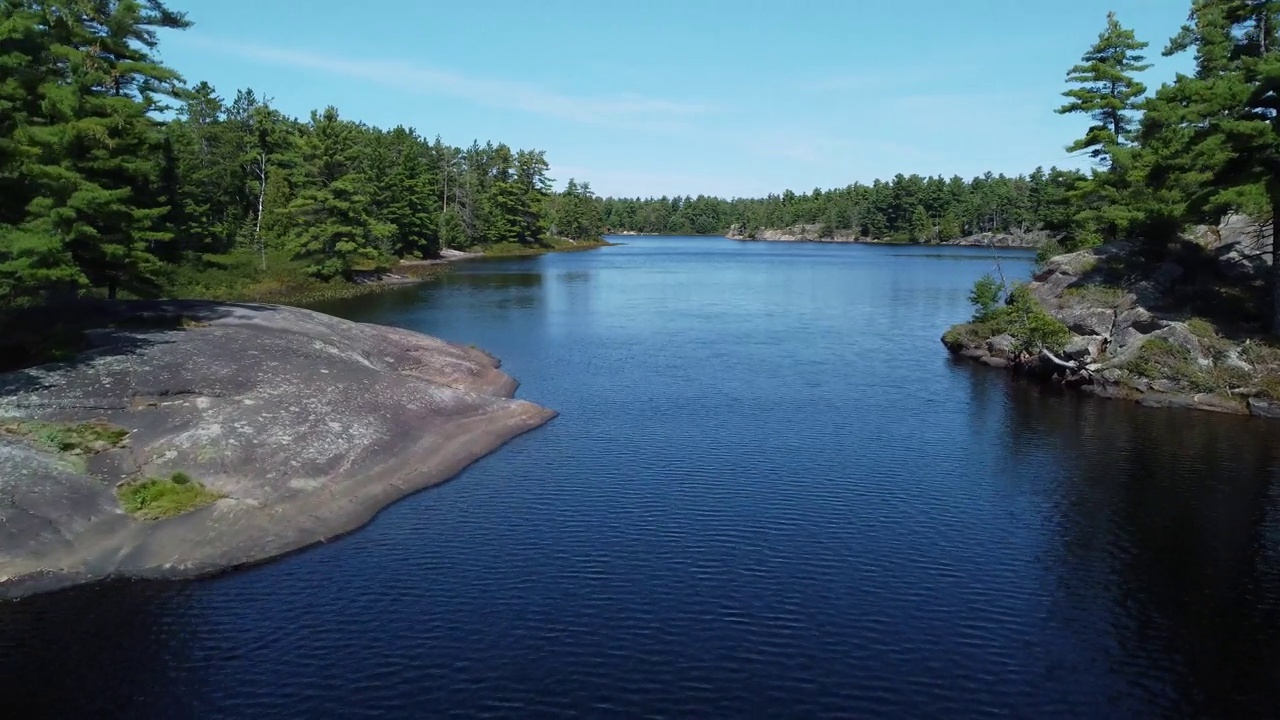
(971, 241)
(305, 425)
(403, 274)
(1097, 322)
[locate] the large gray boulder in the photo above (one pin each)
(1085, 320)
(306, 423)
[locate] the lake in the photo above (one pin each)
(770, 492)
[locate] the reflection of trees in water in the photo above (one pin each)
(94, 651)
(1167, 522)
(474, 279)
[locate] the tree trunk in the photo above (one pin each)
(1275, 258)
(111, 290)
(262, 193)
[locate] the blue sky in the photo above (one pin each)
(652, 97)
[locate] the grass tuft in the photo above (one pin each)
(160, 498)
(73, 439)
(1106, 296)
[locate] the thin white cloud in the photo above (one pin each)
(625, 109)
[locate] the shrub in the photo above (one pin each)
(1021, 317)
(985, 297)
(1051, 249)
(1031, 326)
(1157, 358)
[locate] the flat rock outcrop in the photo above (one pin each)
(305, 424)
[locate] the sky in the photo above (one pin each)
(663, 97)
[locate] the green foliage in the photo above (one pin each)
(1108, 92)
(71, 438)
(1021, 317)
(99, 194)
(1105, 296)
(1213, 133)
(513, 249)
(907, 208)
(1160, 359)
(575, 212)
(986, 295)
(1031, 326)
(161, 498)
(79, 145)
(1051, 249)
(1202, 328)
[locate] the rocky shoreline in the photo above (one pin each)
(813, 233)
(304, 425)
(1130, 332)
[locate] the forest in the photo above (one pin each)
(905, 209)
(120, 179)
(1200, 146)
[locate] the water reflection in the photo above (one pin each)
(107, 647)
(1166, 540)
(770, 492)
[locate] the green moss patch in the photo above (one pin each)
(71, 438)
(1160, 359)
(160, 498)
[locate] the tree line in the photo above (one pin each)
(1202, 145)
(908, 208)
(116, 177)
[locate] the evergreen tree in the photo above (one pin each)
(1108, 93)
(577, 217)
(1219, 128)
(334, 230)
(91, 155)
(409, 199)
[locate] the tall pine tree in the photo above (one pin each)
(1108, 92)
(334, 227)
(1220, 127)
(91, 146)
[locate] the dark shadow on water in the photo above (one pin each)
(105, 649)
(1167, 540)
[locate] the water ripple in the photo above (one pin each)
(769, 493)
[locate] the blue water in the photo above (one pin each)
(770, 492)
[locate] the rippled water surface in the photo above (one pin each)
(770, 492)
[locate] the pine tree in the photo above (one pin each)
(921, 226)
(409, 198)
(92, 153)
(209, 206)
(334, 230)
(1219, 129)
(1108, 93)
(577, 217)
